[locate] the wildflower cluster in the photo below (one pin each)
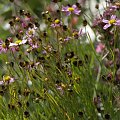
(53, 69)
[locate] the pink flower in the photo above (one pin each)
(100, 47)
(31, 31)
(97, 22)
(7, 80)
(33, 42)
(56, 23)
(3, 47)
(77, 34)
(34, 45)
(110, 11)
(113, 21)
(71, 9)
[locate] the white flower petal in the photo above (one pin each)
(1, 82)
(106, 26)
(105, 21)
(12, 44)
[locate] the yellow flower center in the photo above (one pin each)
(18, 41)
(63, 85)
(112, 21)
(30, 32)
(6, 78)
(17, 19)
(57, 21)
(75, 33)
(70, 9)
(3, 45)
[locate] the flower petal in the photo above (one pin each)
(77, 12)
(74, 6)
(68, 13)
(13, 44)
(23, 42)
(1, 82)
(12, 80)
(118, 22)
(65, 8)
(106, 26)
(113, 17)
(105, 21)
(80, 31)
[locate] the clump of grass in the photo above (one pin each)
(54, 70)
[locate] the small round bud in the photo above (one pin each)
(46, 12)
(17, 19)
(28, 14)
(45, 34)
(107, 116)
(97, 6)
(22, 64)
(22, 12)
(7, 63)
(78, 5)
(11, 0)
(11, 23)
(65, 27)
(58, 11)
(49, 19)
(19, 104)
(29, 49)
(46, 79)
(26, 114)
(10, 106)
(80, 114)
(55, 1)
(43, 14)
(69, 54)
(12, 64)
(30, 25)
(18, 36)
(7, 43)
(29, 83)
(84, 22)
(37, 24)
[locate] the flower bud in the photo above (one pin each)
(11, 0)
(84, 22)
(29, 83)
(11, 23)
(97, 6)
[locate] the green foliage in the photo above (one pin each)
(57, 73)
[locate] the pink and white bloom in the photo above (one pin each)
(31, 31)
(100, 47)
(71, 9)
(18, 42)
(113, 21)
(34, 45)
(56, 23)
(77, 34)
(33, 42)
(3, 47)
(7, 80)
